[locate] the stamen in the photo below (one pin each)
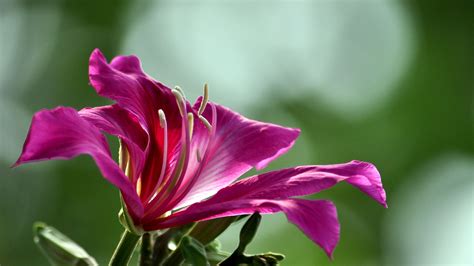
(190, 124)
(168, 189)
(123, 156)
(205, 122)
(179, 100)
(205, 98)
(164, 125)
(178, 88)
(139, 186)
(124, 161)
(190, 184)
(162, 117)
(179, 169)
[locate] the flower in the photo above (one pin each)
(179, 162)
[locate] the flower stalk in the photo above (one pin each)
(124, 251)
(146, 250)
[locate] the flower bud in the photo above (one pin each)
(58, 248)
(248, 231)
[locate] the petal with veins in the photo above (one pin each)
(62, 134)
(316, 218)
(118, 122)
(306, 180)
(238, 145)
(124, 81)
(271, 192)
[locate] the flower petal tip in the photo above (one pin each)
(97, 52)
(15, 164)
(129, 64)
(384, 204)
(330, 254)
(293, 134)
(375, 178)
(21, 160)
(96, 56)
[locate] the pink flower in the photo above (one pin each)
(180, 162)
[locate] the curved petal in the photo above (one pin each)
(116, 121)
(119, 86)
(316, 218)
(305, 180)
(62, 134)
(238, 145)
(119, 122)
(128, 64)
(270, 192)
(124, 81)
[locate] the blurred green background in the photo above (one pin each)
(388, 82)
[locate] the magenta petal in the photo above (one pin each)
(270, 192)
(129, 64)
(316, 218)
(238, 145)
(118, 122)
(124, 81)
(62, 134)
(305, 180)
(119, 86)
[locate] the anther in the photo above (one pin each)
(178, 88)
(179, 100)
(191, 124)
(205, 98)
(205, 122)
(162, 116)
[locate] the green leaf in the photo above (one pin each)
(193, 251)
(58, 248)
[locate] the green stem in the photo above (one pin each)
(160, 247)
(176, 258)
(146, 250)
(125, 248)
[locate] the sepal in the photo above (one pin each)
(127, 222)
(193, 252)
